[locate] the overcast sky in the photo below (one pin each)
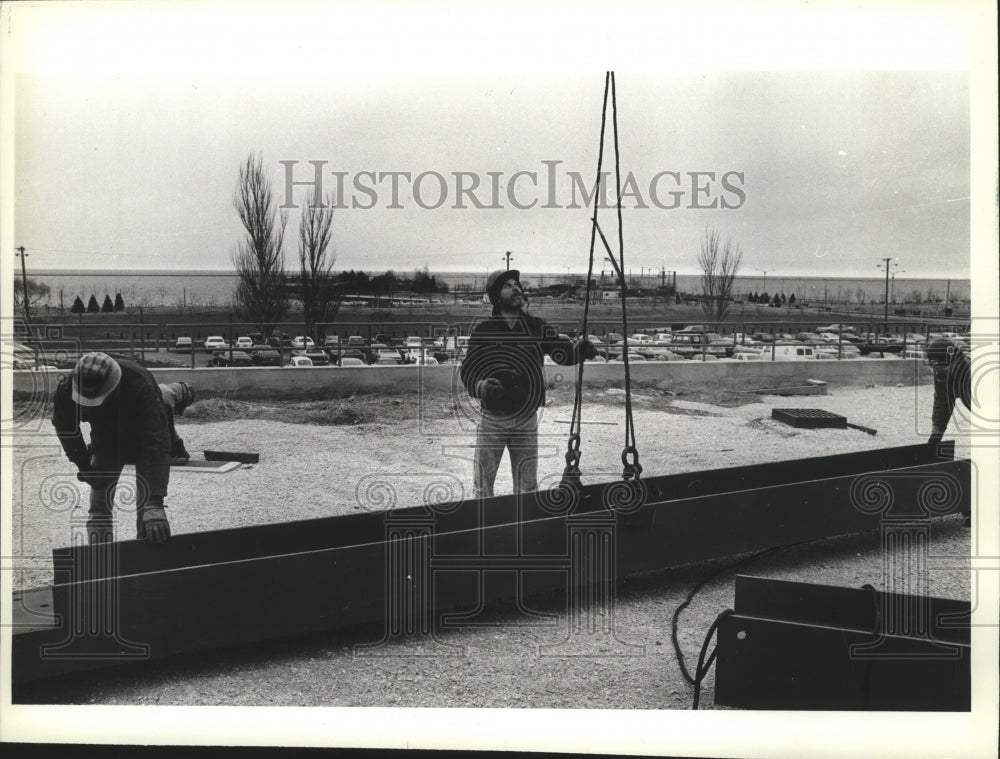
(126, 159)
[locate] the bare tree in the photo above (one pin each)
(37, 292)
(260, 295)
(719, 263)
(320, 302)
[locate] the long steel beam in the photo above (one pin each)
(421, 569)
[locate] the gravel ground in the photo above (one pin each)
(333, 468)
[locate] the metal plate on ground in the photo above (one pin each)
(242, 457)
(205, 467)
(808, 417)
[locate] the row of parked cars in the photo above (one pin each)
(694, 342)
(302, 351)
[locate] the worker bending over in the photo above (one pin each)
(128, 425)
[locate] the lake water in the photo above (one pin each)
(214, 289)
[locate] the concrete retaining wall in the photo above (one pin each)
(325, 382)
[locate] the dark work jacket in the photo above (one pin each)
(130, 427)
(514, 356)
(950, 385)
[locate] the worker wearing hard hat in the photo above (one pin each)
(128, 425)
(503, 369)
(177, 396)
(952, 381)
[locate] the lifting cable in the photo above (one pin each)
(630, 454)
(571, 474)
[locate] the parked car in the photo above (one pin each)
(298, 362)
(794, 353)
(743, 339)
(831, 338)
(632, 358)
(279, 339)
(350, 361)
(427, 360)
(298, 341)
(384, 356)
(413, 341)
(663, 354)
(331, 341)
(265, 357)
(334, 356)
(704, 357)
(244, 342)
(689, 343)
(317, 355)
(835, 329)
(747, 356)
(847, 350)
(232, 358)
(183, 345)
(214, 343)
(808, 337)
(356, 341)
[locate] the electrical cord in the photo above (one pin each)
(700, 584)
(704, 666)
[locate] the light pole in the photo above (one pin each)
(888, 264)
(763, 287)
(507, 255)
(892, 285)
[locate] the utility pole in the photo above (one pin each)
(24, 285)
(507, 255)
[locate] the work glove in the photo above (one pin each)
(588, 350)
(152, 524)
(179, 452)
(489, 389)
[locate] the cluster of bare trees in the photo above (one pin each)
(719, 261)
(262, 293)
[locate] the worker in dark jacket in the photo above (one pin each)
(503, 369)
(177, 396)
(128, 425)
(952, 381)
